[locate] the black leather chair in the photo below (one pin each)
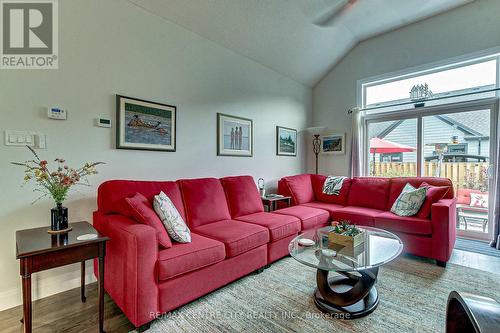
(467, 313)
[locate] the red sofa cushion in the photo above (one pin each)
(280, 226)
(242, 195)
(142, 212)
(341, 199)
(205, 201)
(397, 185)
(112, 193)
(186, 257)
(329, 207)
(311, 218)
(238, 237)
(356, 215)
(300, 187)
(407, 224)
(433, 195)
(369, 192)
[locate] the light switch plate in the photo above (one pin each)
(23, 138)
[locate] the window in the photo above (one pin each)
(479, 75)
(439, 139)
(461, 80)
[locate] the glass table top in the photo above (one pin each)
(377, 247)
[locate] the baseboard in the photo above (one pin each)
(46, 286)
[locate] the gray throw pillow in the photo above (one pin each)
(409, 201)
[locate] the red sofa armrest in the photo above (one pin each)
(130, 264)
(444, 232)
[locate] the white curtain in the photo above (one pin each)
(357, 140)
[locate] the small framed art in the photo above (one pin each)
(333, 144)
(286, 141)
(234, 136)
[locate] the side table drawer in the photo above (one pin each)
(63, 257)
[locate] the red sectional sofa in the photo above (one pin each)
(232, 236)
(367, 201)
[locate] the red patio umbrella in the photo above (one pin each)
(378, 145)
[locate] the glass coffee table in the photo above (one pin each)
(351, 293)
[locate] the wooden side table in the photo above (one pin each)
(271, 202)
(37, 251)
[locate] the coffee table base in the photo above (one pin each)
(347, 296)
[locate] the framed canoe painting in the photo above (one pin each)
(144, 125)
(234, 136)
(286, 141)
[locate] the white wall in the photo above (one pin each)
(110, 47)
(467, 29)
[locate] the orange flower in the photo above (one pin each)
(335, 223)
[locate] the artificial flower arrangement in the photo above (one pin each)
(56, 183)
(346, 234)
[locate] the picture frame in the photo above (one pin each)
(286, 141)
(145, 125)
(333, 144)
(234, 136)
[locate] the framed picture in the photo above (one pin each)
(145, 125)
(333, 144)
(234, 136)
(286, 141)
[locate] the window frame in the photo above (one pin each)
(429, 68)
(490, 103)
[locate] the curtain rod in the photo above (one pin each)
(421, 103)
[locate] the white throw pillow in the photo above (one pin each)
(171, 218)
(479, 200)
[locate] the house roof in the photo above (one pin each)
(471, 124)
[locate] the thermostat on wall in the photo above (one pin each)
(57, 113)
(103, 122)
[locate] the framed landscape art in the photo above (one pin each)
(286, 141)
(333, 144)
(145, 125)
(234, 136)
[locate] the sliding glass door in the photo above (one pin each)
(454, 141)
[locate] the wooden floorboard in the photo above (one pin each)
(65, 312)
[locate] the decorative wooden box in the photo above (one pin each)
(347, 241)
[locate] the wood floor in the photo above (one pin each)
(65, 312)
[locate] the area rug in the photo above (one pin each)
(413, 294)
(476, 246)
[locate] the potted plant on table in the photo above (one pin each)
(56, 183)
(346, 234)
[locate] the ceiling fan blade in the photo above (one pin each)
(327, 18)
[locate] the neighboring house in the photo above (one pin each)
(470, 129)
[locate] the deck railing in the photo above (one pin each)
(462, 174)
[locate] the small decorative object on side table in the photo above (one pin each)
(38, 251)
(271, 201)
(56, 183)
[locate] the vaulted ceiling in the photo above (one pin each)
(302, 39)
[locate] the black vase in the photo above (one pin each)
(59, 218)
